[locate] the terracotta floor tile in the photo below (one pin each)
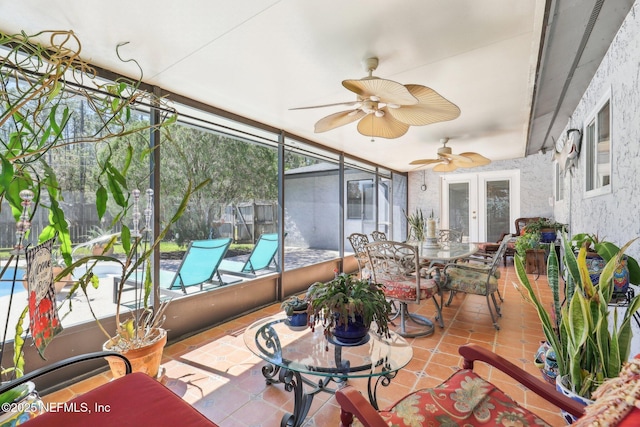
(215, 372)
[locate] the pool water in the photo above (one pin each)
(7, 280)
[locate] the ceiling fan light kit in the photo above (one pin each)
(386, 108)
(446, 161)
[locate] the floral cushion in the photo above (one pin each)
(406, 289)
(464, 399)
(471, 281)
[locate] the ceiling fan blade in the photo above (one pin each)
(432, 108)
(425, 161)
(445, 167)
(383, 127)
(458, 157)
(476, 160)
(350, 103)
(387, 91)
(335, 120)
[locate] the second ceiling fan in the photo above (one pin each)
(446, 161)
(385, 108)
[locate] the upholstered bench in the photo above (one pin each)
(133, 400)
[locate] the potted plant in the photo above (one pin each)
(139, 334)
(531, 251)
(100, 238)
(546, 228)
(346, 306)
(36, 111)
(588, 349)
(599, 252)
(417, 225)
(34, 117)
(296, 310)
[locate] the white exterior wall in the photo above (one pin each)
(612, 216)
(536, 185)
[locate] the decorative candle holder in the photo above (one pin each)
(431, 243)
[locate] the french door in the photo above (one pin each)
(482, 205)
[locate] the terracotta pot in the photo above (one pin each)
(99, 250)
(60, 284)
(145, 359)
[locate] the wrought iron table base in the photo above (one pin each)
(294, 381)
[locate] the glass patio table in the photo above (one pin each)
(291, 353)
(445, 252)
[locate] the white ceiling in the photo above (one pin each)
(260, 58)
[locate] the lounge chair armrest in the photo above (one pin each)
(473, 352)
(352, 402)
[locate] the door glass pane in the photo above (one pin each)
(497, 208)
(459, 207)
(384, 206)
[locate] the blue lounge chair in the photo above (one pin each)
(262, 255)
(199, 265)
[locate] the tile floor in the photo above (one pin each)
(217, 374)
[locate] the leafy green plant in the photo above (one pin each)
(529, 240)
(349, 296)
(544, 224)
(417, 224)
(607, 250)
(589, 349)
(294, 303)
(42, 77)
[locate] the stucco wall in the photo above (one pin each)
(613, 216)
(536, 185)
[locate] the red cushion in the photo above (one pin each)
(406, 290)
(133, 400)
(463, 399)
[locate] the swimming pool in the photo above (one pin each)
(7, 280)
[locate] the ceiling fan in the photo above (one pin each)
(386, 108)
(447, 161)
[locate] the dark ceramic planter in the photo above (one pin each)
(351, 332)
(298, 319)
(548, 236)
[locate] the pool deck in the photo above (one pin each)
(101, 299)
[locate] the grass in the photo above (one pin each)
(5, 253)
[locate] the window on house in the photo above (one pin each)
(360, 199)
(559, 182)
(598, 150)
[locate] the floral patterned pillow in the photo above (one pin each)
(464, 399)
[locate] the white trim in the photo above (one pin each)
(477, 195)
(590, 118)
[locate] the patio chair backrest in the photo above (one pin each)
(358, 242)
(499, 253)
(200, 262)
(449, 235)
(378, 236)
(263, 253)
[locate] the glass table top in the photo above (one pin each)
(449, 251)
(309, 352)
(446, 251)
